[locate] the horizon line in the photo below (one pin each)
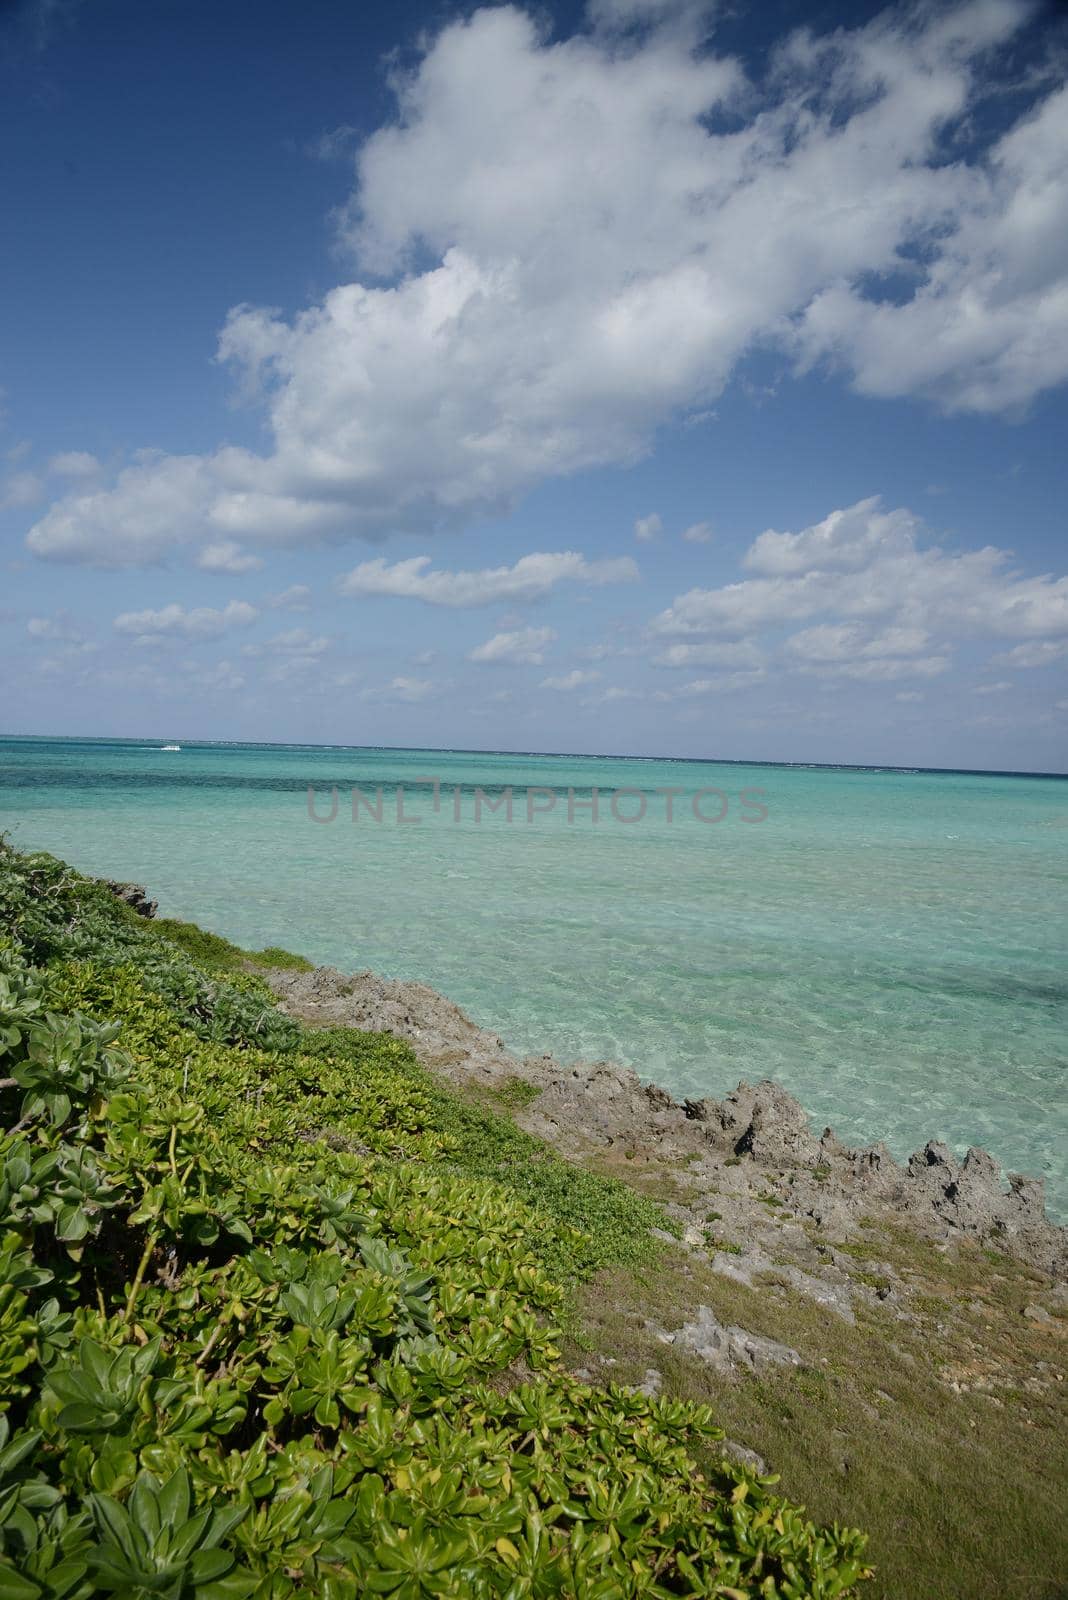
(560, 755)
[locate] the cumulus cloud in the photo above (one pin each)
(562, 244)
(985, 328)
(866, 565)
(647, 528)
(845, 539)
(520, 647)
(157, 502)
(228, 557)
(845, 641)
(174, 621)
(698, 533)
(529, 579)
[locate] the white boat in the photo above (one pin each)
(170, 747)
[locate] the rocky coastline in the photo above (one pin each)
(751, 1160)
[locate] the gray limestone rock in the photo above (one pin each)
(754, 1137)
(745, 1458)
(729, 1347)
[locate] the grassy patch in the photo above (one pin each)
(217, 954)
(724, 1246)
(515, 1094)
(953, 1487)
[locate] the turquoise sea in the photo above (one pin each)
(890, 945)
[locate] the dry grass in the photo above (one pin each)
(960, 1490)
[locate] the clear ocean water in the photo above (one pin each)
(890, 945)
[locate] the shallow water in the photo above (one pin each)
(889, 945)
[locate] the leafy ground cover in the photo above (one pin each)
(279, 1316)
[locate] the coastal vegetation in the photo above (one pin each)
(281, 1315)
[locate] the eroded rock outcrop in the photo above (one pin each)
(730, 1348)
(135, 895)
(754, 1151)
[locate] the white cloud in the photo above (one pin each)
(409, 690)
(532, 577)
(156, 503)
(605, 649)
(1038, 653)
(722, 683)
(583, 237)
(59, 629)
(712, 653)
(844, 641)
(174, 621)
(293, 642)
(523, 646)
(993, 688)
(62, 631)
(570, 680)
(648, 528)
(866, 565)
(698, 533)
(909, 697)
(296, 598)
(888, 671)
(228, 557)
(845, 539)
(74, 464)
(985, 326)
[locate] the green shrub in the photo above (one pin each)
(216, 954)
(277, 1316)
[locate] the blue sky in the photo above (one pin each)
(624, 378)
